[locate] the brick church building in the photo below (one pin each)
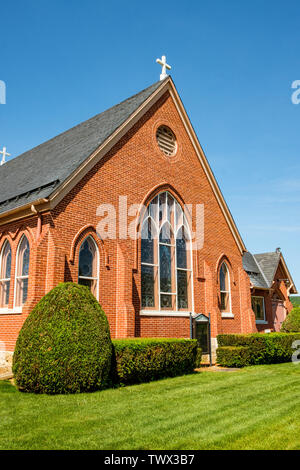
(127, 204)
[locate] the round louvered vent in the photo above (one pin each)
(166, 140)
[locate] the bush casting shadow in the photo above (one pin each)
(64, 345)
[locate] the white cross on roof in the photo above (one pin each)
(163, 63)
(4, 154)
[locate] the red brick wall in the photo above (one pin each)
(133, 168)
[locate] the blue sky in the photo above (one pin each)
(233, 63)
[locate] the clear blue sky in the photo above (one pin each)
(233, 64)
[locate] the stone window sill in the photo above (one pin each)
(10, 311)
(227, 315)
(261, 322)
(164, 313)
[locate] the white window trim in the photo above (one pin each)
(264, 321)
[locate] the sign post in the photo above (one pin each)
(204, 334)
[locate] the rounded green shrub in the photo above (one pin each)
(64, 345)
(292, 322)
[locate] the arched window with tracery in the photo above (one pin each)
(88, 270)
(225, 291)
(166, 258)
(22, 272)
(5, 272)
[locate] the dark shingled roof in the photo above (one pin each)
(36, 173)
(254, 271)
(268, 263)
(261, 268)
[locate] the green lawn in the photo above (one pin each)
(255, 408)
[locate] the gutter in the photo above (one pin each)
(30, 207)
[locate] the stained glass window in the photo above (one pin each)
(148, 299)
(181, 249)
(182, 289)
(225, 296)
(25, 268)
(165, 256)
(165, 234)
(5, 271)
(22, 272)
(147, 242)
(165, 301)
(165, 268)
(86, 257)
(88, 265)
(153, 208)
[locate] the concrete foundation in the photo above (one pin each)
(6, 358)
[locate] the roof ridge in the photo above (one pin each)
(267, 253)
(260, 269)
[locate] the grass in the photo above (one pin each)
(255, 408)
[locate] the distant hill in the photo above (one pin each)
(295, 299)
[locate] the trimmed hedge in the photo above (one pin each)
(233, 356)
(257, 348)
(64, 345)
(292, 322)
(140, 360)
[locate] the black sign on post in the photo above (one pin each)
(200, 330)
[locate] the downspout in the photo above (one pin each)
(191, 326)
(39, 221)
(209, 338)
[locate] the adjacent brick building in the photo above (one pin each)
(142, 163)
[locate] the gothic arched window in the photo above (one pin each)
(22, 272)
(166, 267)
(89, 265)
(225, 293)
(5, 271)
